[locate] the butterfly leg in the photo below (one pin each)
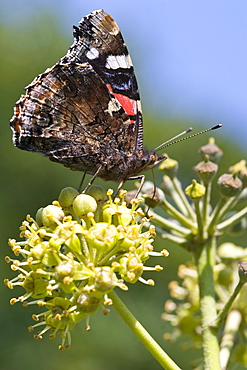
(140, 177)
(118, 188)
(93, 178)
(81, 182)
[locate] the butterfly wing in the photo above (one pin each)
(85, 111)
(99, 42)
(69, 115)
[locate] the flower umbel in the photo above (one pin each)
(75, 253)
(212, 290)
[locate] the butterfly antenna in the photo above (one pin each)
(173, 141)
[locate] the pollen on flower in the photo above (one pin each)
(75, 253)
(158, 268)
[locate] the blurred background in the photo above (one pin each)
(190, 59)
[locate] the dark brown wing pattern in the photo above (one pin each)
(84, 112)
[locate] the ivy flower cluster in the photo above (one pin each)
(211, 290)
(74, 253)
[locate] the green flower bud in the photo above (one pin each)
(64, 269)
(231, 251)
(67, 196)
(242, 271)
(104, 280)
(152, 200)
(241, 170)
(212, 150)
(229, 185)
(206, 170)
(83, 204)
(195, 190)
(87, 303)
(169, 167)
(98, 193)
(38, 216)
(51, 215)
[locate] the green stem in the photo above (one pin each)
(206, 202)
(205, 260)
(183, 203)
(223, 226)
(169, 225)
(215, 215)
(184, 243)
(222, 314)
(229, 336)
(173, 212)
(199, 219)
(165, 361)
(228, 206)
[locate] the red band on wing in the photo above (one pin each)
(129, 105)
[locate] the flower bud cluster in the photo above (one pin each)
(74, 253)
(195, 221)
(182, 311)
(190, 215)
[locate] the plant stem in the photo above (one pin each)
(206, 202)
(158, 353)
(231, 330)
(223, 226)
(183, 200)
(205, 260)
(215, 215)
(169, 225)
(173, 212)
(199, 219)
(222, 314)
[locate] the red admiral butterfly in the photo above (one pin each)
(85, 111)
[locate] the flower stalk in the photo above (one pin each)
(158, 353)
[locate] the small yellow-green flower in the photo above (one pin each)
(75, 253)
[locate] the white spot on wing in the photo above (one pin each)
(118, 61)
(92, 53)
(139, 107)
(113, 106)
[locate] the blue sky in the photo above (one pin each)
(190, 56)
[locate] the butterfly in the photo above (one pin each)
(85, 111)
